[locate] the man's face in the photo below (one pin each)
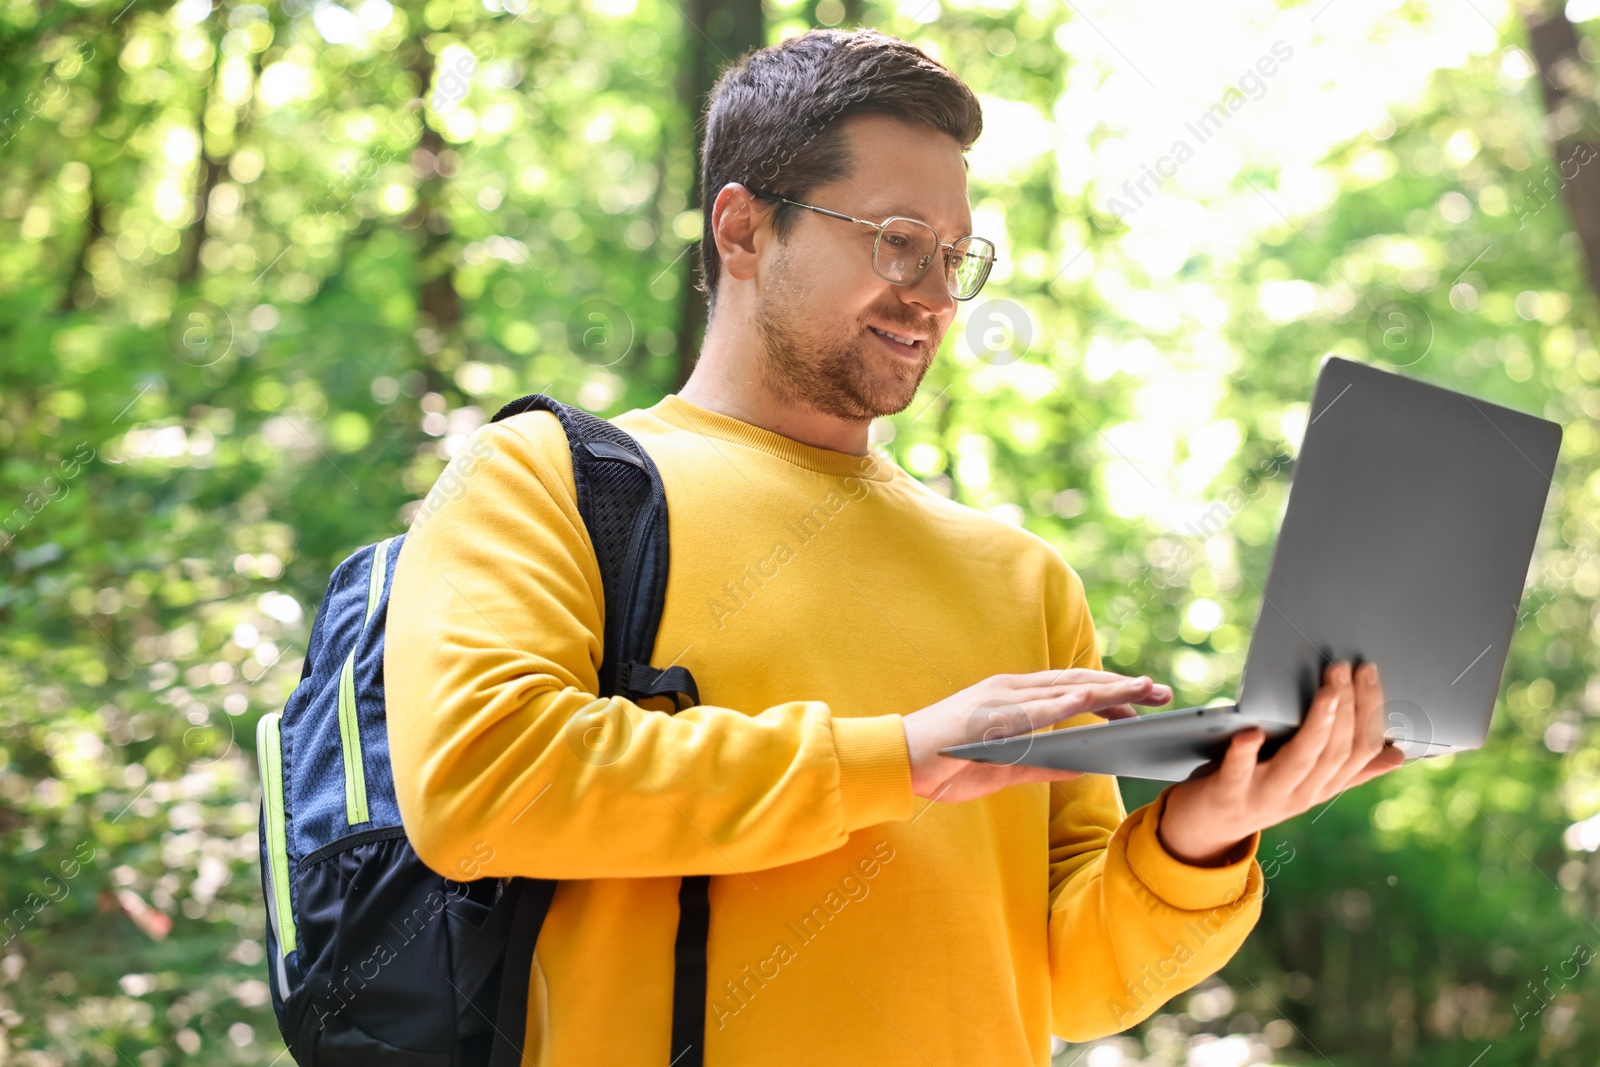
(818, 297)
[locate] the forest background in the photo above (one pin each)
(265, 267)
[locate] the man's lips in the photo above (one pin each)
(903, 349)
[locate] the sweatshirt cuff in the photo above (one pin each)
(1180, 884)
(874, 770)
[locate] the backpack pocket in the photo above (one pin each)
(275, 851)
(374, 926)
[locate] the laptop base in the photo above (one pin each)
(1166, 746)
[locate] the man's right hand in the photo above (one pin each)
(1006, 705)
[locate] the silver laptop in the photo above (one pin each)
(1406, 542)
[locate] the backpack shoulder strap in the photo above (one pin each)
(624, 506)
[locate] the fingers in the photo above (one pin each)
(1303, 757)
(1350, 754)
(998, 719)
(1021, 683)
(1366, 737)
(1159, 694)
(1121, 711)
(1039, 689)
(1094, 697)
(1045, 684)
(1369, 699)
(1290, 765)
(1332, 769)
(1389, 758)
(1239, 763)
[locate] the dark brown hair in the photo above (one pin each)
(774, 118)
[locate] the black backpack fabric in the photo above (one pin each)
(374, 959)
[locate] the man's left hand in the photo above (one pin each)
(1340, 744)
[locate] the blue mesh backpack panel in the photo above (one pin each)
(373, 959)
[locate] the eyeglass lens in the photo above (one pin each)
(906, 247)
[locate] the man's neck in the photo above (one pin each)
(730, 386)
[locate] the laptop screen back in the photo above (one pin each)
(1406, 542)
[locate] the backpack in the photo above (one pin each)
(374, 959)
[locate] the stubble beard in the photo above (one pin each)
(841, 376)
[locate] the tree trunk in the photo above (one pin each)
(106, 94)
(210, 172)
(1570, 126)
(93, 228)
(717, 33)
(438, 303)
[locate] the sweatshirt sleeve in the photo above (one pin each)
(500, 748)
(1131, 927)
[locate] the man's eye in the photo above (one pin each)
(896, 240)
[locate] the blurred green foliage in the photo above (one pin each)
(414, 213)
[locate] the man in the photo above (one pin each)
(844, 623)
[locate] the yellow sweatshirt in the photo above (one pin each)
(817, 597)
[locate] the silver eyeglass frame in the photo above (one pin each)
(925, 262)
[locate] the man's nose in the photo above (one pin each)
(932, 291)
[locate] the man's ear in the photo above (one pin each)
(738, 225)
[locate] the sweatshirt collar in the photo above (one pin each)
(690, 416)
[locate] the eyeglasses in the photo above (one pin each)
(904, 248)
